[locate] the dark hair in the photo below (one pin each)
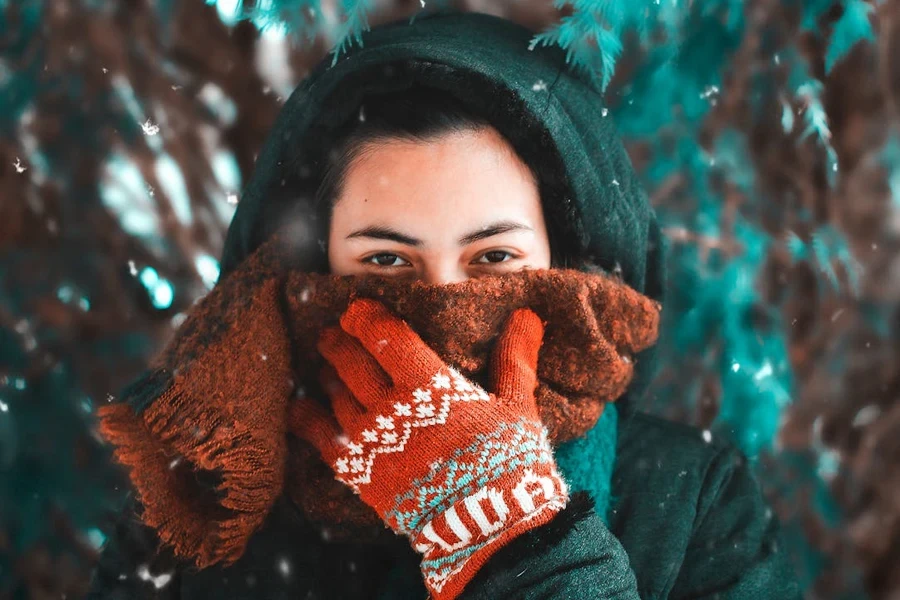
(418, 114)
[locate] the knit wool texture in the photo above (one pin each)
(213, 403)
(459, 470)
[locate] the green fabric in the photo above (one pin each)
(690, 524)
(586, 463)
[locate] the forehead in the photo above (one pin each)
(455, 177)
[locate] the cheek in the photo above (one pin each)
(342, 260)
(334, 261)
(338, 254)
(539, 257)
(545, 255)
(339, 251)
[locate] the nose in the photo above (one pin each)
(442, 274)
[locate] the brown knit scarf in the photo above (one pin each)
(212, 405)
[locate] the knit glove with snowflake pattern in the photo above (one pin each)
(458, 470)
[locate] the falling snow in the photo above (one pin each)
(138, 206)
(866, 416)
(158, 581)
(149, 128)
(284, 567)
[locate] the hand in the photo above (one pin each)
(458, 470)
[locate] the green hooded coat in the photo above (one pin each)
(687, 519)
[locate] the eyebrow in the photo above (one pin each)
(381, 232)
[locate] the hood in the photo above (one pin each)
(531, 96)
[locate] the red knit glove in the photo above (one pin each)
(459, 471)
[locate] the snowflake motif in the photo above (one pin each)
(440, 382)
(357, 465)
(425, 410)
(461, 384)
(388, 438)
(341, 465)
(385, 422)
(370, 436)
(421, 395)
(355, 448)
(402, 410)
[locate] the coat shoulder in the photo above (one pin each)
(651, 448)
(661, 472)
(641, 428)
(689, 510)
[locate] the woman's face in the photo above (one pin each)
(463, 205)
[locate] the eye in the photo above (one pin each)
(495, 256)
(384, 259)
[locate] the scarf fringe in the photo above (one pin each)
(173, 505)
(190, 427)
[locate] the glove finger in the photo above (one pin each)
(352, 416)
(312, 422)
(357, 369)
(398, 349)
(515, 357)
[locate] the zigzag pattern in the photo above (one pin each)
(502, 451)
(500, 484)
(361, 455)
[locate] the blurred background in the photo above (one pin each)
(767, 133)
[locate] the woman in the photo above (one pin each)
(446, 152)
